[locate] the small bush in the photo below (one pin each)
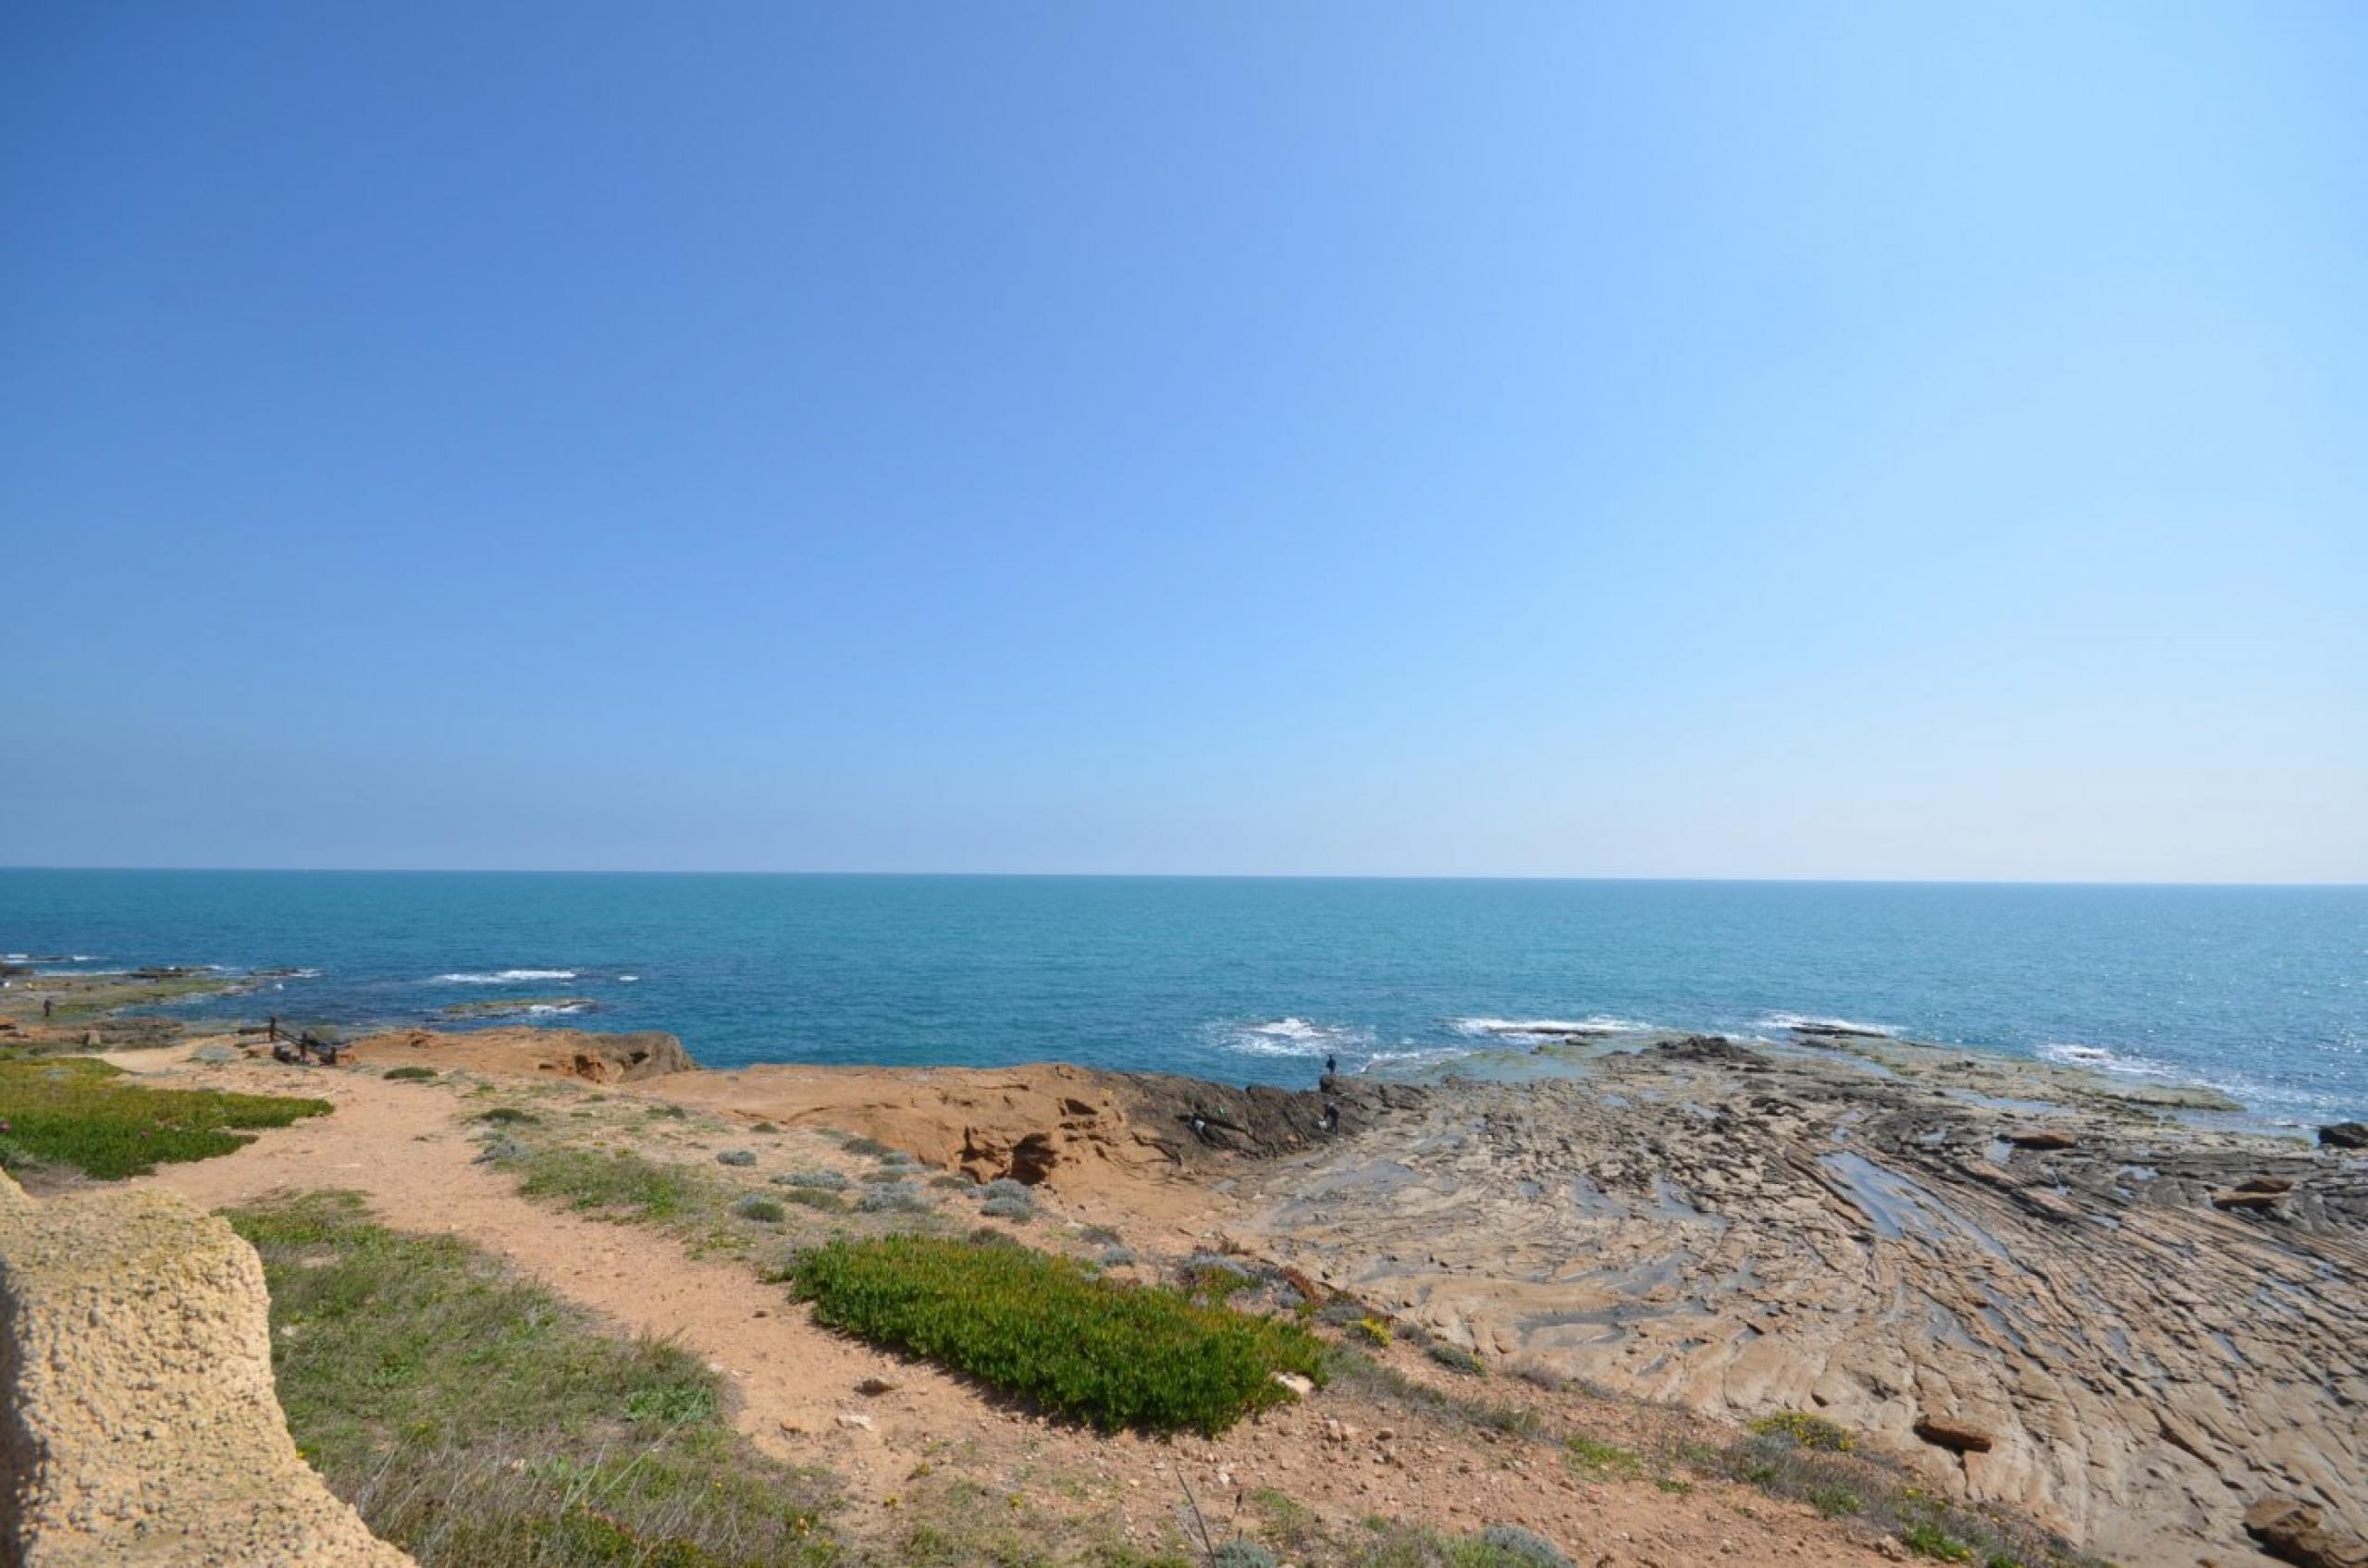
(1600, 1460)
(1004, 1187)
(620, 1186)
(1241, 1554)
(1808, 1431)
(1045, 1329)
(503, 1149)
(764, 1209)
(821, 1180)
(866, 1146)
(815, 1198)
(1117, 1257)
(409, 1075)
(506, 1115)
(897, 1157)
(1008, 1208)
(1455, 1360)
(1526, 1548)
(735, 1157)
(1927, 1539)
(1372, 1330)
(902, 1198)
(1100, 1235)
(73, 1110)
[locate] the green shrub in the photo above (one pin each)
(1455, 1360)
(1046, 1329)
(1601, 1459)
(901, 1198)
(763, 1209)
(506, 1115)
(620, 1186)
(822, 1180)
(1814, 1432)
(1927, 1539)
(1525, 1547)
(1008, 1208)
(76, 1111)
(409, 1075)
(1372, 1330)
(814, 1198)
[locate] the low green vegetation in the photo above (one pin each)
(1808, 1431)
(473, 1419)
(1601, 1461)
(1804, 1462)
(409, 1075)
(1047, 1330)
(1456, 1359)
(1352, 1369)
(622, 1186)
(82, 1112)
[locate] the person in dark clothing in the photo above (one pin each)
(1331, 1065)
(1331, 1117)
(48, 1006)
(272, 1026)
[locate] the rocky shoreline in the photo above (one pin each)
(2034, 1286)
(2103, 1303)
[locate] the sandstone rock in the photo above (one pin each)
(2292, 1531)
(135, 1369)
(2266, 1184)
(562, 1052)
(2345, 1135)
(2241, 1198)
(1946, 1432)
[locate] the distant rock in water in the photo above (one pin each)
(2345, 1135)
(565, 1053)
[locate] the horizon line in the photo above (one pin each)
(1181, 876)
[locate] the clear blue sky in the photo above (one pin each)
(1855, 441)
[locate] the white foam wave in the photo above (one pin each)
(2099, 1060)
(504, 976)
(628, 979)
(556, 1008)
(1296, 1037)
(1811, 1022)
(1540, 1028)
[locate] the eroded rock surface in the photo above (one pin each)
(565, 1053)
(141, 1429)
(2072, 1324)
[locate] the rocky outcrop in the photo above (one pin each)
(562, 1052)
(2293, 1531)
(141, 1429)
(2345, 1135)
(1751, 1230)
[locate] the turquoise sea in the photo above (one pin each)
(2262, 992)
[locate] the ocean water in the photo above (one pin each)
(2262, 991)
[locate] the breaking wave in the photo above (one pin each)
(1546, 1029)
(504, 976)
(1808, 1020)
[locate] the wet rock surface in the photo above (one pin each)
(2078, 1325)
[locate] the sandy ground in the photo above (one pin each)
(405, 1148)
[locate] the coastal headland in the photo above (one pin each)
(2094, 1311)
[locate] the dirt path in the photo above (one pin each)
(405, 1148)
